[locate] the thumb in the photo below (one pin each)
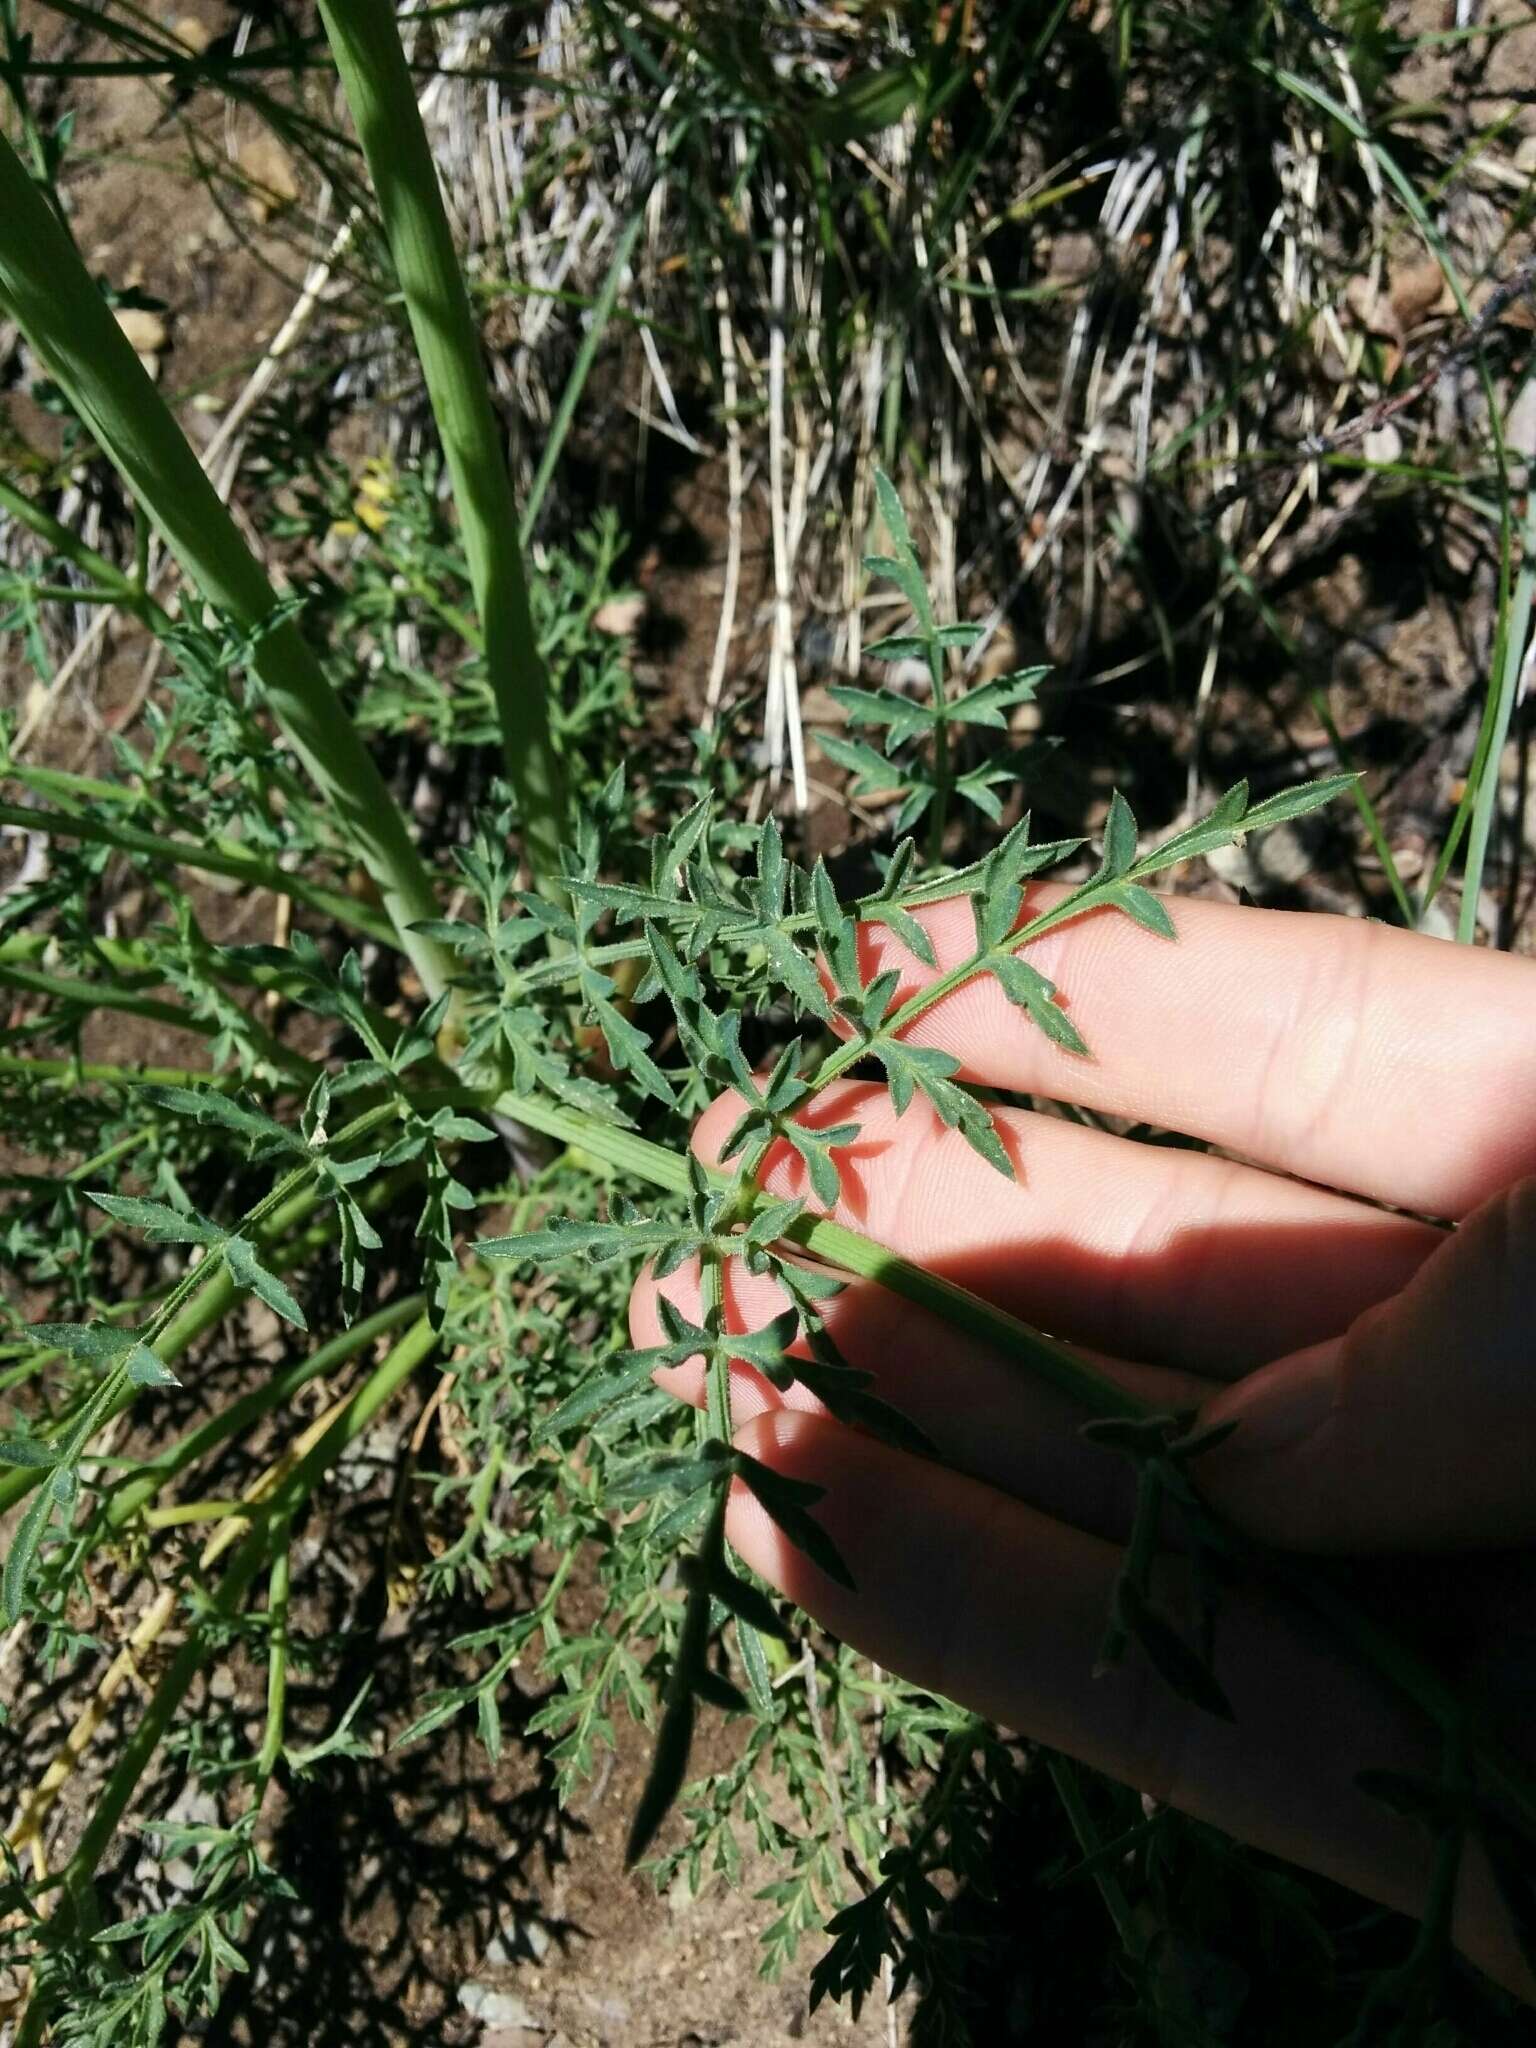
(1416, 1430)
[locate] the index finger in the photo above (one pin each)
(1373, 1060)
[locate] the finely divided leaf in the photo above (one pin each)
(1029, 988)
(210, 1106)
(30, 1453)
(162, 1223)
(1233, 818)
(1120, 839)
(925, 1068)
(904, 572)
(902, 716)
(1297, 802)
(18, 1564)
(596, 1392)
(747, 1603)
(246, 1270)
(906, 928)
(787, 1502)
(563, 1238)
(95, 1341)
(1143, 908)
(815, 1148)
(1176, 1663)
(986, 704)
(630, 1050)
(754, 1663)
(872, 769)
(836, 932)
(146, 1370)
(905, 1063)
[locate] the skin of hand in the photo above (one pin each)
(1381, 1368)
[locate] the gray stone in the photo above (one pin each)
(499, 2008)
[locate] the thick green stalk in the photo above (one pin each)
(103, 995)
(278, 1585)
(366, 45)
(47, 289)
(214, 857)
(147, 1480)
(119, 588)
(65, 988)
(141, 1745)
(140, 964)
(74, 1074)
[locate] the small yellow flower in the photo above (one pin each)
(375, 493)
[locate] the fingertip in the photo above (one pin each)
(798, 1446)
(773, 1439)
(715, 1126)
(644, 1315)
(684, 1382)
(680, 1288)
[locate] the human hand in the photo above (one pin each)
(1381, 1369)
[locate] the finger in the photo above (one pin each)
(1339, 1050)
(983, 1600)
(1146, 1251)
(1417, 1429)
(982, 1414)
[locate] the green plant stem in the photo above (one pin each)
(1078, 902)
(132, 1759)
(140, 966)
(277, 1649)
(369, 58)
(213, 857)
(47, 289)
(103, 995)
(114, 586)
(182, 1514)
(206, 1294)
(1516, 635)
(72, 1073)
(1094, 1391)
(94, 995)
(1063, 1776)
(135, 1493)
